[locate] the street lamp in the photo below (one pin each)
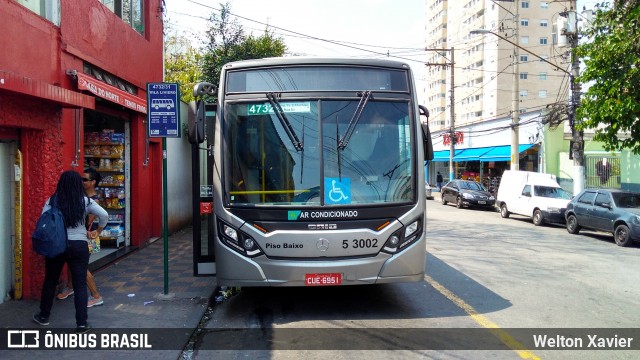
(515, 110)
(573, 104)
(483, 31)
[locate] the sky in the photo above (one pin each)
(331, 28)
(363, 28)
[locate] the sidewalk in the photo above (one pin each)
(132, 289)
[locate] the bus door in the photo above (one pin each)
(201, 136)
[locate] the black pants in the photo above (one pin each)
(77, 257)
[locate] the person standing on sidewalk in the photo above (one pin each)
(439, 181)
(90, 179)
(74, 204)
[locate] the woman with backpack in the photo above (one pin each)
(71, 199)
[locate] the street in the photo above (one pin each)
(482, 271)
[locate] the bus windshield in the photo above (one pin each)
(265, 167)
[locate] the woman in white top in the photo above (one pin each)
(71, 199)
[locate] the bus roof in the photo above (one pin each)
(300, 60)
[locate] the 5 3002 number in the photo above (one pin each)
(360, 243)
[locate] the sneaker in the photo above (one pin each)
(81, 329)
(40, 319)
(94, 302)
(65, 294)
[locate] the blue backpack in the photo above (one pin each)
(50, 236)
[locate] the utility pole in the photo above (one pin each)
(577, 136)
(515, 96)
(452, 134)
(452, 123)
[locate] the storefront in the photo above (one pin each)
(108, 146)
(72, 95)
(482, 151)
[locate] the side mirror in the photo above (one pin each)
(426, 134)
(195, 122)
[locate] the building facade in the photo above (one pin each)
(73, 78)
(483, 75)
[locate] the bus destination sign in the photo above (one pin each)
(287, 107)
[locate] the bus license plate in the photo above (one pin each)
(322, 279)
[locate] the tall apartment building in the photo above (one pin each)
(483, 72)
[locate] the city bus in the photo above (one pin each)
(318, 175)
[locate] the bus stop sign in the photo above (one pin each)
(163, 104)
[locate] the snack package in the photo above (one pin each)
(106, 134)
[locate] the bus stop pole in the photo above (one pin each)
(165, 217)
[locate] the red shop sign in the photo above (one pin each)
(111, 93)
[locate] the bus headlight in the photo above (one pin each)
(411, 229)
(404, 236)
(230, 232)
(237, 240)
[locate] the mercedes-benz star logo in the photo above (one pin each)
(322, 244)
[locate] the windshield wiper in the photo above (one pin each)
(344, 140)
(288, 128)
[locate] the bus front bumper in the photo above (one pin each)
(234, 269)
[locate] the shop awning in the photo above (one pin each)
(503, 153)
(472, 154)
(443, 155)
(39, 89)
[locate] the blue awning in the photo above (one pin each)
(503, 153)
(443, 155)
(472, 154)
(491, 153)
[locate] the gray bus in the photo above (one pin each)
(318, 176)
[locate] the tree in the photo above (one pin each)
(611, 104)
(183, 65)
(228, 42)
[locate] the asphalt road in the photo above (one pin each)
(482, 272)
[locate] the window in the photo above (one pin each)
(524, 40)
(543, 41)
(587, 198)
(526, 191)
(544, 23)
(603, 199)
(524, 58)
(130, 11)
(544, 5)
(523, 93)
(524, 22)
(524, 76)
(48, 9)
(524, 4)
(542, 76)
(542, 94)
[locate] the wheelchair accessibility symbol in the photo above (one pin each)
(337, 191)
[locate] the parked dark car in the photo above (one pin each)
(467, 193)
(613, 211)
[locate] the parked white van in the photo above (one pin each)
(531, 194)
